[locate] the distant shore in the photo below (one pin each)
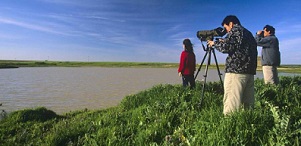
(46, 63)
(5, 67)
(22, 63)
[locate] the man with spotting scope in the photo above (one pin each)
(241, 64)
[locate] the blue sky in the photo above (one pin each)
(134, 30)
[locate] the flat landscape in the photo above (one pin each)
(161, 115)
(25, 63)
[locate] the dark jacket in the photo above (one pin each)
(187, 63)
(241, 48)
(270, 54)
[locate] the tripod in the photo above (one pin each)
(209, 51)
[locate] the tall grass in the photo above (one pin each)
(167, 115)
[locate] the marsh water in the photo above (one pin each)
(65, 89)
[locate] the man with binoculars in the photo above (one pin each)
(270, 55)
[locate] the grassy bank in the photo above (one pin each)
(167, 115)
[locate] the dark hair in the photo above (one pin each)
(230, 18)
(188, 45)
(270, 28)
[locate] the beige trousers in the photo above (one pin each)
(270, 75)
(239, 92)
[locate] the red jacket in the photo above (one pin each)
(187, 63)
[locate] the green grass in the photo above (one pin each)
(167, 115)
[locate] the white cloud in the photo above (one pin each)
(30, 26)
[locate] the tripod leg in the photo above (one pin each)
(205, 76)
(200, 65)
(219, 73)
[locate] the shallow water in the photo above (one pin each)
(65, 89)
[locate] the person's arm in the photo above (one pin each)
(230, 43)
(263, 41)
(181, 65)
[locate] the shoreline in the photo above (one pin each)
(10, 64)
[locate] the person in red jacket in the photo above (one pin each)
(187, 64)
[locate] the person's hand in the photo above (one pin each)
(259, 32)
(180, 74)
(210, 43)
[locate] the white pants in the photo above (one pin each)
(270, 74)
(239, 92)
